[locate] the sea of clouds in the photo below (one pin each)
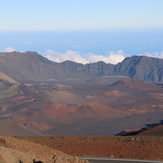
(75, 56)
(111, 57)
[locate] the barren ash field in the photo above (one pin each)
(132, 147)
(72, 110)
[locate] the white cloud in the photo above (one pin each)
(68, 55)
(9, 49)
(111, 57)
(153, 54)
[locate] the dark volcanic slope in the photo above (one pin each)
(8, 89)
(112, 127)
(149, 130)
(86, 109)
(7, 78)
(97, 68)
(30, 66)
(142, 67)
(154, 131)
(134, 83)
(11, 128)
(145, 68)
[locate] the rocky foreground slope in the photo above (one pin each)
(13, 150)
(131, 147)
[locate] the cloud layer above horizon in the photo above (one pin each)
(110, 57)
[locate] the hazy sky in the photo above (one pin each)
(83, 30)
(79, 14)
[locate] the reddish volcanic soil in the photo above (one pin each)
(154, 131)
(134, 83)
(134, 147)
(83, 112)
(13, 150)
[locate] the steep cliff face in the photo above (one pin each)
(97, 69)
(145, 68)
(100, 69)
(30, 66)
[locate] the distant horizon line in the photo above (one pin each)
(105, 29)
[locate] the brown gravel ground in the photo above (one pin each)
(133, 147)
(13, 150)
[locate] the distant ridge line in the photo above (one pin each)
(30, 66)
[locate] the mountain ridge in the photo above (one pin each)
(142, 67)
(31, 66)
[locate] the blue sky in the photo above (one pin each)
(23, 15)
(83, 30)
